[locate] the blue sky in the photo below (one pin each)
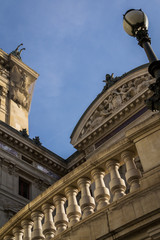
(72, 44)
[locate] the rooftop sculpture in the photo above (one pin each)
(17, 52)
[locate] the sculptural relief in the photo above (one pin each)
(20, 87)
(143, 83)
(115, 100)
(132, 91)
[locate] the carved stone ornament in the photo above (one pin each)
(116, 99)
(3, 71)
(11, 168)
(19, 87)
(3, 91)
(39, 183)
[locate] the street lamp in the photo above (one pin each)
(135, 23)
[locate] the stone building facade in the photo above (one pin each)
(26, 168)
(108, 189)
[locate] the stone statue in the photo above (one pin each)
(17, 52)
(109, 80)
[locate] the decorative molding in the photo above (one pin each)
(116, 99)
(12, 168)
(89, 150)
(115, 105)
(36, 153)
(40, 184)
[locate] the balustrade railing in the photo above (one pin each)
(58, 208)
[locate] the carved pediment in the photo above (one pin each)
(126, 95)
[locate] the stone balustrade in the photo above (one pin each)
(71, 199)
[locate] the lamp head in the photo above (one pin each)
(134, 21)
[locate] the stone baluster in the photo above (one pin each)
(9, 237)
(117, 184)
(27, 225)
(37, 226)
(73, 209)
(87, 202)
(132, 173)
(18, 233)
(61, 220)
(101, 192)
(48, 226)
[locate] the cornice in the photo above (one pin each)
(75, 160)
(104, 115)
(142, 69)
(13, 60)
(145, 128)
(26, 147)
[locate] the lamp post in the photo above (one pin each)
(135, 23)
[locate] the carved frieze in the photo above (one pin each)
(19, 91)
(114, 100)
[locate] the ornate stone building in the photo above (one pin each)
(26, 168)
(108, 189)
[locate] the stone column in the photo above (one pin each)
(73, 209)
(117, 184)
(61, 220)
(48, 226)
(87, 202)
(18, 233)
(9, 237)
(101, 192)
(37, 227)
(132, 173)
(27, 226)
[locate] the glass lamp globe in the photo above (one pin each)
(134, 20)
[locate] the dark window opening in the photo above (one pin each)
(24, 187)
(26, 160)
